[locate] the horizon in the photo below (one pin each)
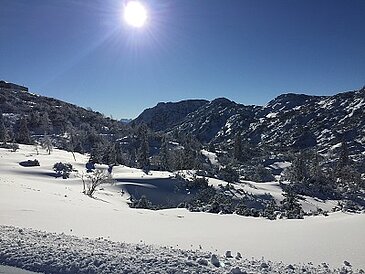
(187, 99)
(248, 52)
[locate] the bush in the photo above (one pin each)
(94, 179)
(228, 174)
(29, 163)
(143, 202)
(63, 169)
(14, 147)
(197, 183)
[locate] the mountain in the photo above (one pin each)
(206, 122)
(166, 115)
(56, 117)
(125, 120)
(290, 121)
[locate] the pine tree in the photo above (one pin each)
(23, 133)
(45, 123)
(237, 148)
(2, 129)
(143, 150)
(343, 160)
(298, 171)
(315, 169)
(164, 154)
(47, 144)
(290, 205)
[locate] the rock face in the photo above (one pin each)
(167, 115)
(206, 122)
(292, 121)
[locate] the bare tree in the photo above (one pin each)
(46, 144)
(94, 179)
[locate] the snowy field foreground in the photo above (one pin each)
(32, 199)
(60, 253)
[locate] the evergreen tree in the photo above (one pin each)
(118, 153)
(164, 154)
(298, 171)
(237, 148)
(143, 150)
(45, 123)
(47, 144)
(23, 132)
(290, 205)
(262, 174)
(2, 129)
(343, 161)
(315, 170)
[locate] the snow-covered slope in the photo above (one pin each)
(32, 198)
(290, 121)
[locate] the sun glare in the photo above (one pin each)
(135, 14)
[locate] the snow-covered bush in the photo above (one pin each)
(30, 163)
(143, 202)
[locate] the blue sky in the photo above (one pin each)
(246, 50)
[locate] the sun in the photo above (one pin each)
(135, 14)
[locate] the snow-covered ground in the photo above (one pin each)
(60, 253)
(32, 198)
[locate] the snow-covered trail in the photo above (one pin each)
(32, 199)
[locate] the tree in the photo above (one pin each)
(191, 153)
(94, 179)
(46, 144)
(290, 205)
(143, 202)
(262, 174)
(2, 129)
(63, 169)
(45, 123)
(343, 161)
(228, 174)
(164, 154)
(143, 150)
(23, 132)
(298, 171)
(237, 148)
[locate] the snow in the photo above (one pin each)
(213, 159)
(336, 146)
(272, 115)
(60, 253)
(4, 269)
(32, 198)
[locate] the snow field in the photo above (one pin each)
(59, 253)
(33, 198)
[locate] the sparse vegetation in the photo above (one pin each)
(91, 181)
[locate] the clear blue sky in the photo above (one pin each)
(246, 50)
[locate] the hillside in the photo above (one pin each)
(290, 122)
(15, 103)
(166, 115)
(63, 121)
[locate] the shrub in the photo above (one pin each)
(63, 169)
(29, 163)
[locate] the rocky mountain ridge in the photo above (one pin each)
(293, 121)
